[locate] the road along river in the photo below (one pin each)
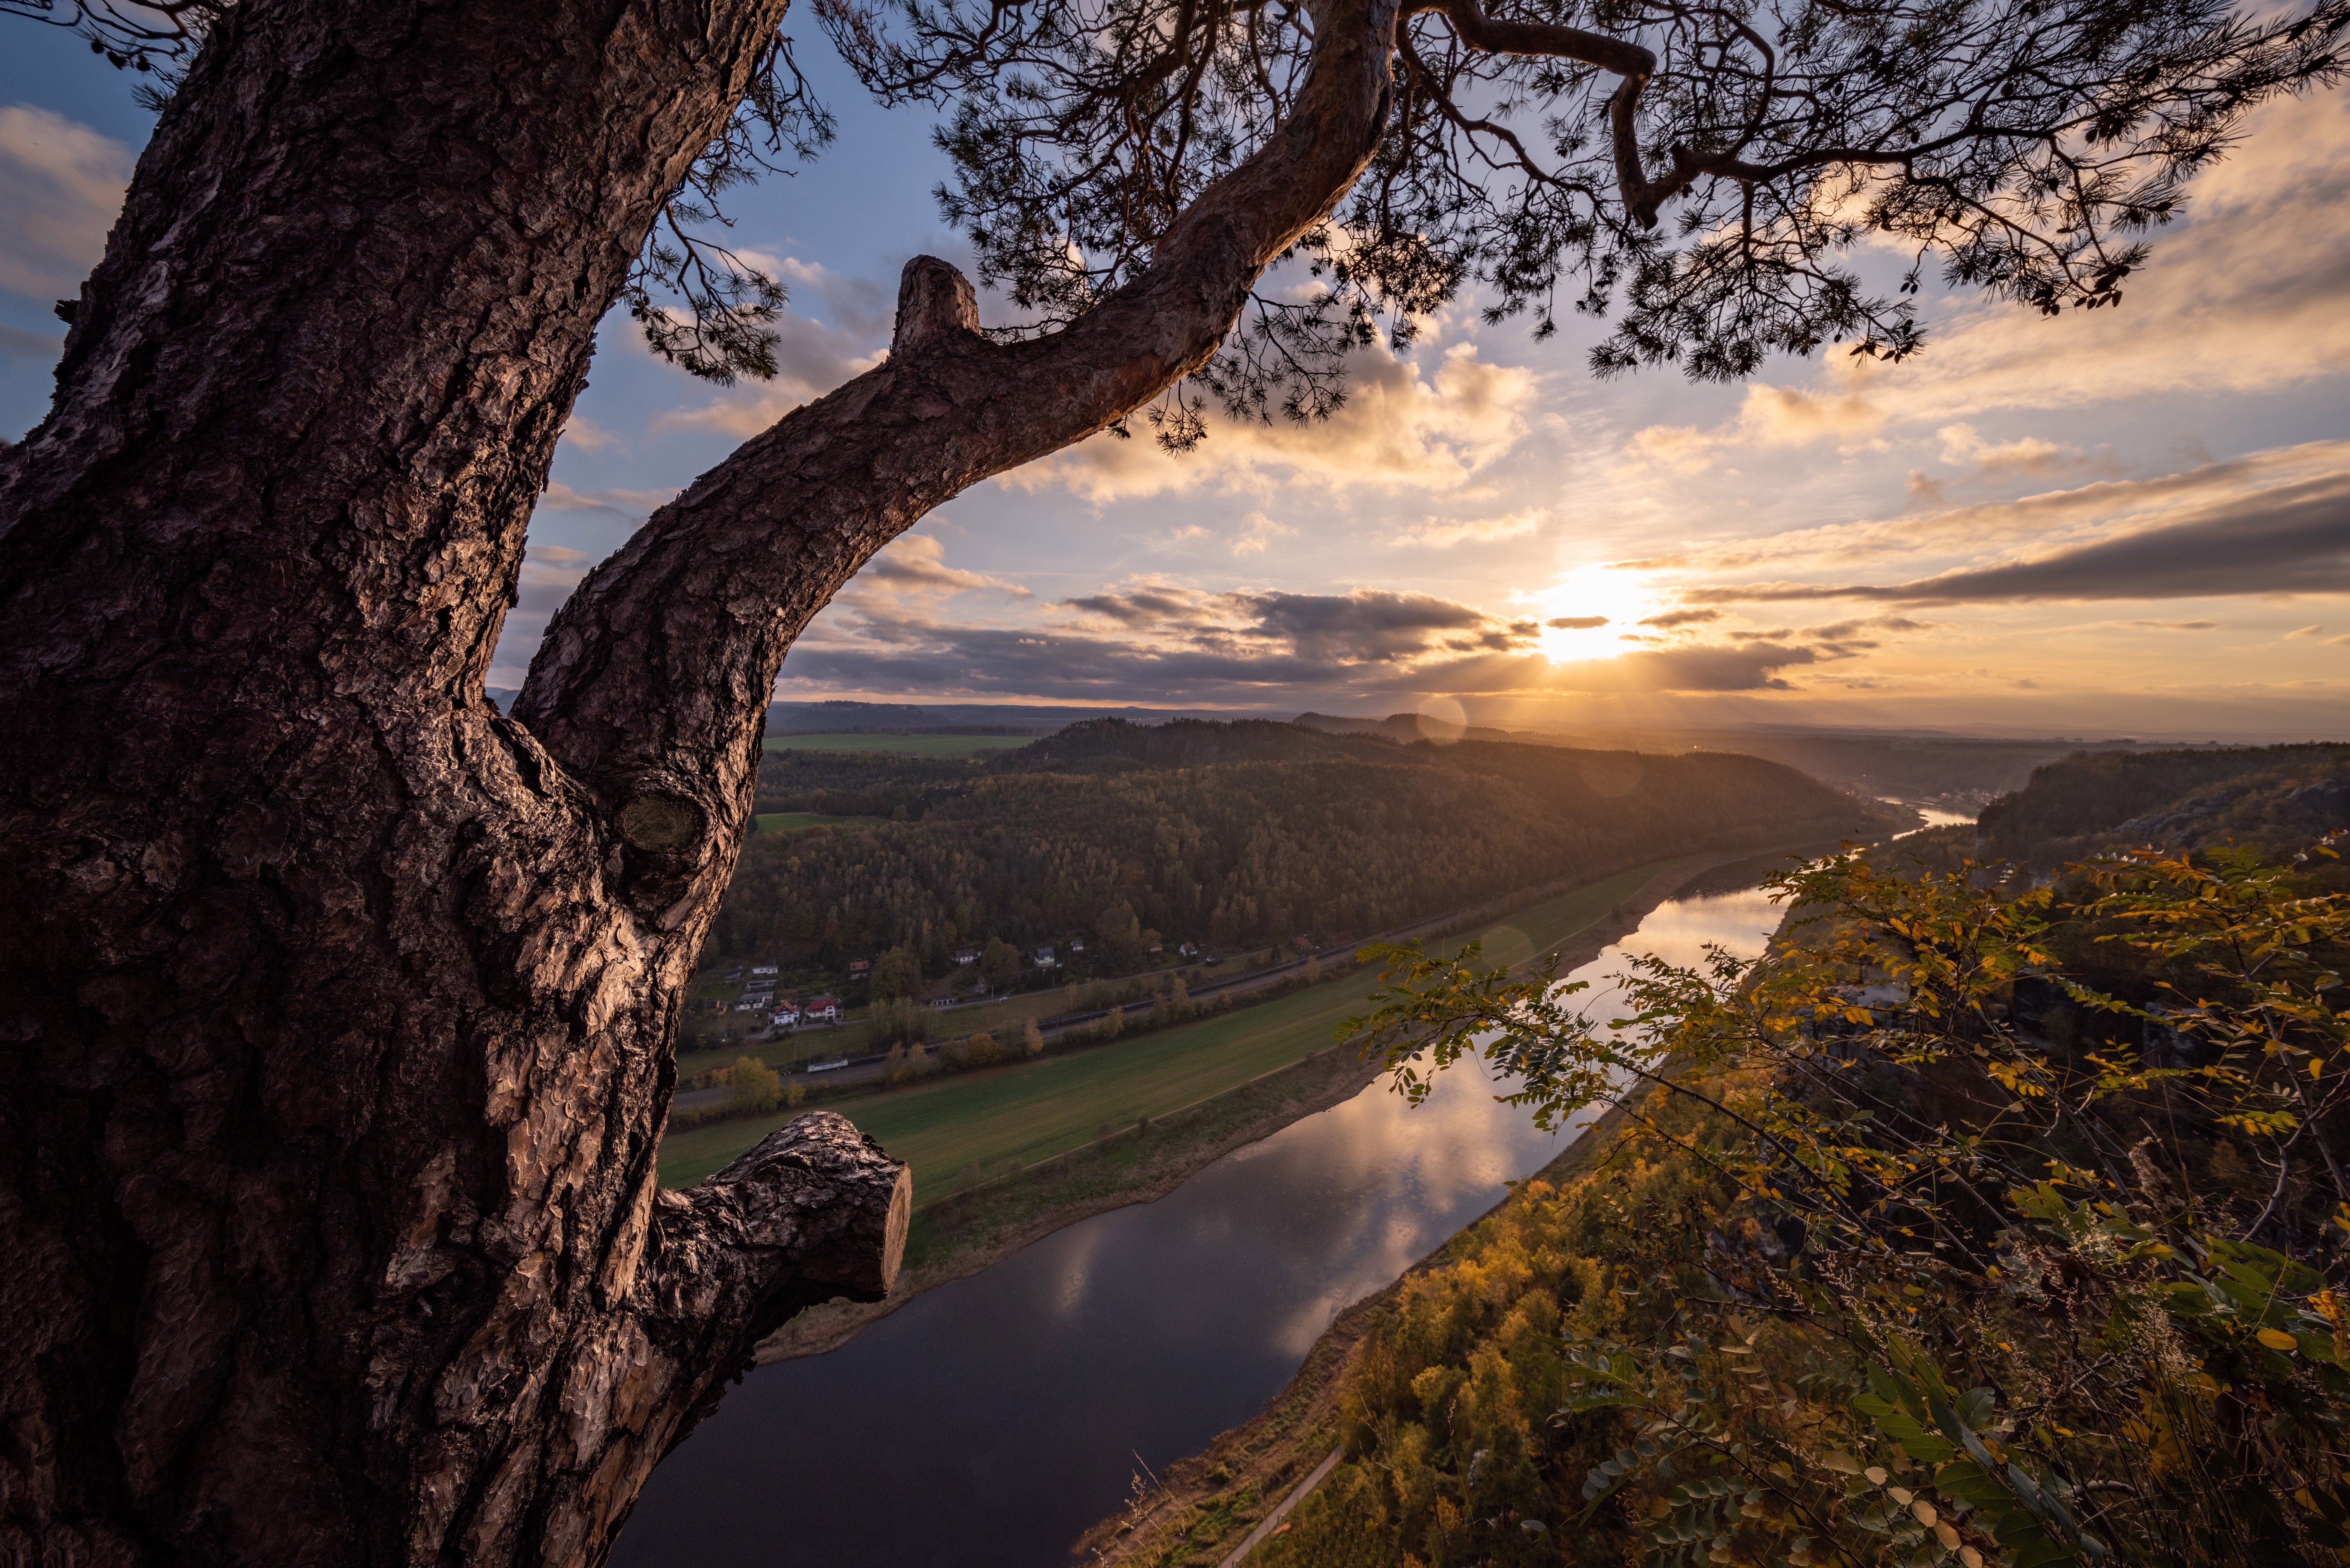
(990, 1421)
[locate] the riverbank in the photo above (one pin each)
(962, 1235)
(1203, 1507)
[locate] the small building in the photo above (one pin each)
(943, 1002)
(821, 1010)
(965, 955)
(859, 967)
(759, 968)
(1189, 950)
(1076, 944)
(785, 1017)
(1044, 959)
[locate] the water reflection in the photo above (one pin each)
(994, 1418)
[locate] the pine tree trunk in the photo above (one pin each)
(338, 1011)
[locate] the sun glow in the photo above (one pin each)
(1595, 612)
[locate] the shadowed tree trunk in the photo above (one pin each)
(336, 1010)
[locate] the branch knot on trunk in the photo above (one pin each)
(935, 304)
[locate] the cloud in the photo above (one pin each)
(2083, 515)
(1398, 429)
(915, 563)
(1442, 535)
(2178, 625)
(1768, 417)
(15, 343)
(1154, 641)
(2286, 539)
(61, 185)
(1592, 622)
(587, 434)
(2307, 631)
(1672, 618)
(556, 555)
(812, 357)
(1261, 532)
(632, 504)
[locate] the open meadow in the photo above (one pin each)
(953, 1129)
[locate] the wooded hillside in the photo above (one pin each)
(2276, 797)
(1222, 834)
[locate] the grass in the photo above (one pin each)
(1020, 1115)
(901, 745)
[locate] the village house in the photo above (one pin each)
(759, 968)
(1044, 959)
(821, 1010)
(965, 955)
(943, 1002)
(859, 968)
(785, 1017)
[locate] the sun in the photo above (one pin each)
(1588, 613)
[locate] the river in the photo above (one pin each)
(991, 1421)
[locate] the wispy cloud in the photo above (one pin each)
(1405, 425)
(2285, 539)
(61, 185)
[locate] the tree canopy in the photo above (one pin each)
(1709, 179)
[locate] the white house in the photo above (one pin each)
(1044, 959)
(759, 968)
(821, 1010)
(965, 955)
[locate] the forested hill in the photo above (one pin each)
(1222, 834)
(2275, 797)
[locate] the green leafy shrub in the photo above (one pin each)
(1877, 1271)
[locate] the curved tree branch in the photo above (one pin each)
(654, 677)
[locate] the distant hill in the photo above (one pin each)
(1919, 767)
(1226, 833)
(2277, 797)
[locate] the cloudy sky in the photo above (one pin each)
(2128, 522)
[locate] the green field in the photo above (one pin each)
(1018, 1116)
(902, 745)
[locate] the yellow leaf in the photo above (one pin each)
(2276, 1339)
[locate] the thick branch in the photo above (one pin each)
(815, 1211)
(1492, 36)
(653, 679)
(1635, 64)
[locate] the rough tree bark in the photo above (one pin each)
(336, 1010)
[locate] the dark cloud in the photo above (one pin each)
(1140, 607)
(1672, 618)
(2291, 539)
(1585, 622)
(908, 656)
(1371, 625)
